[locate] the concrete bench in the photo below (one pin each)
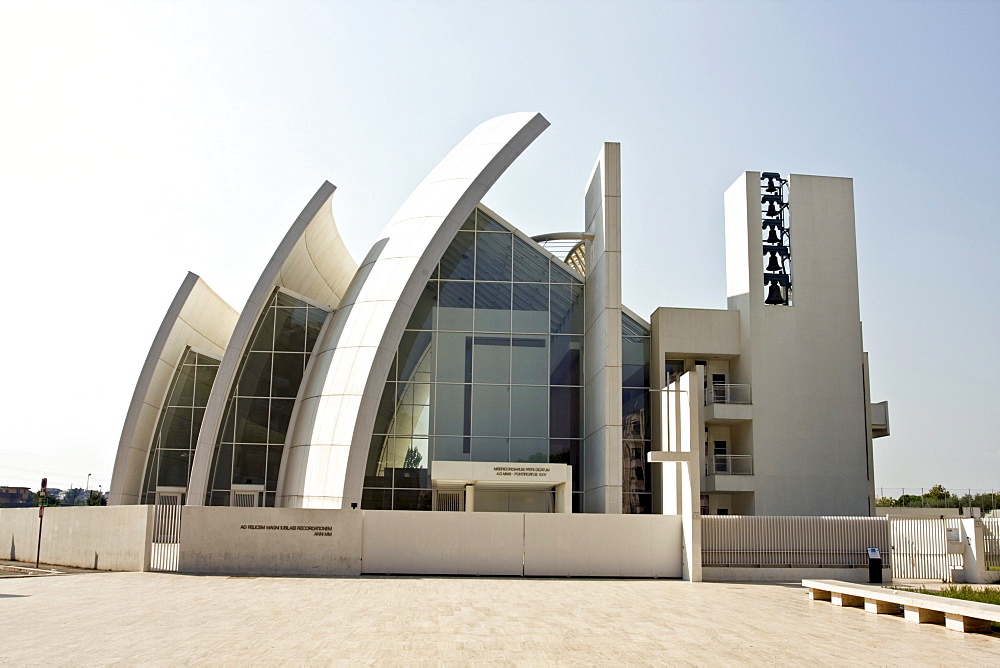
(955, 614)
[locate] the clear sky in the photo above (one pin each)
(142, 140)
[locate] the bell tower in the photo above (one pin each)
(791, 273)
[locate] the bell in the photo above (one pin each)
(774, 296)
(772, 210)
(773, 264)
(773, 237)
(770, 187)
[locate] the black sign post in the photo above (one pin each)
(874, 566)
(42, 502)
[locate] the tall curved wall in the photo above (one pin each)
(311, 261)
(197, 318)
(329, 439)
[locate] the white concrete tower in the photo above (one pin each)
(804, 362)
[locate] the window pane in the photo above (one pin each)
(451, 449)
(249, 464)
(281, 414)
(317, 317)
(486, 223)
(565, 361)
(423, 312)
(490, 450)
(530, 308)
(453, 409)
(491, 359)
(376, 499)
(529, 411)
(457, 262)
(529, 264)
(560, 275)
(415, 349)
(287, 373)
(635, 362)
(534, 450)
(570, 452)
(490, 410)
(273, 465)
(176, 432)
(529, 360)
(204, 378)
(173, 470)
(564, 412)
(411, 499)
(290, 329)
(264, 337)
(255, 378)
(493, 259)
(183, 393)
(251, 420)
(492, 307)
(454, 363)
(567, 309)
(455, 310)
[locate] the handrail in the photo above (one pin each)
(729, 465)
(727, 393)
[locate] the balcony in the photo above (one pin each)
(726, 403)
(729, 465)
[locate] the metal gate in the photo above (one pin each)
(920, 549)
(991, 536)
(165, 547)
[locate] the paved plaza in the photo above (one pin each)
(165, 619)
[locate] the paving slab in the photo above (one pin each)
(167, 619)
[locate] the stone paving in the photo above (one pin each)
(165, 619)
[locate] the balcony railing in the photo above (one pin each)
(727, 393)
(729, 465)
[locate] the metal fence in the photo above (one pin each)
(991, 534)
(735, 540)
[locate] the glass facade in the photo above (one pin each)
(636, 427)
(488, 369)
(255, 423)
(176, 434)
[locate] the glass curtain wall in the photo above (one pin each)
(636, 425)
(488, 369)
(176, 434)
(255, 423)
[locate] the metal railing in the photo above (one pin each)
(727, 393)
(792, 541)
(729, 465)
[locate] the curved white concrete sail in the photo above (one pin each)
(312, 261)
(197, 318)
(328, 445)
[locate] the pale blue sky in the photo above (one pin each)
(142, 140)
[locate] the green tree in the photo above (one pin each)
(74, 496)
(413, 458)
(96, 499)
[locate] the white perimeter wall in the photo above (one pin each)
(270, 541)
(107, 538)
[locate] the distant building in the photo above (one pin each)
(16, 497)
(463, 365)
